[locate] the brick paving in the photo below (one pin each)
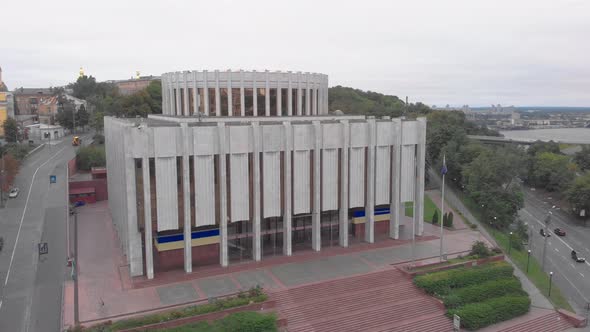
(107, 292)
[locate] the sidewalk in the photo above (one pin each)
(435, 196)
(106, 291)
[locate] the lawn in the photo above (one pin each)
(429, 208)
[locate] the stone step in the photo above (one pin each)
(552, 322)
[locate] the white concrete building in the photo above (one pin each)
(244, 93)
(247, 188)
(45, 132)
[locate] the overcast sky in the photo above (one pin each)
(475, 52)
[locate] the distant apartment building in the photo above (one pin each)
(134, 85)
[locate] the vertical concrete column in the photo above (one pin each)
(370, 194)
(147, 215)
(326, 89)
(230, 108)
(316, 238)
(178, 101)
(242, 96)
(266, 95)
(135, 254)
(256, 214)
(164, 96)
(279, 98)
(217, 95)
(343, 213)
(254, 93)
(196, 96)
(185, 94)
(221, 170)
(307, 96)
(299, 97)
(186, 194)
(419, 187)
(290, 96)
(395, 214)
(315, 100)
(172, 98)
(206, 92)
(287, 212)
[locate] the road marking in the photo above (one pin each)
(588, 250)
(570, 282)
(549, 243)
(540, 223)
(573, 266)
(581, 274)
(24, 212)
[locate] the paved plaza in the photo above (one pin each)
(107, 292)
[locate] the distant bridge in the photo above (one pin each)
(521, 141)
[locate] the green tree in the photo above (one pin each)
(490, 182)
(84, 87)
(10, 130)
(97, 121)
(154, 90)
(578, 194)
(551, 171)
(90, 156)
(582, 158)
(435, 217)
(66, 118)
(82, 117)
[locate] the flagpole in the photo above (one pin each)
(442, 206)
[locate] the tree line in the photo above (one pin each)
(104, 99)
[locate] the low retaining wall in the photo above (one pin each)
(576, 320)
(267, 305)
(406, 269)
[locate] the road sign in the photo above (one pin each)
(456, 323)
(43, 248)
(52, 179)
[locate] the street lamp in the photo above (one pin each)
(528, 259)
(510, 243)
(550, 279)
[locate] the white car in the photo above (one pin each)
(13, 193)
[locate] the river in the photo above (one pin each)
(571, 135)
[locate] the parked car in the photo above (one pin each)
(559, 232)
(13, 193)
(542, 232)
(576, 258)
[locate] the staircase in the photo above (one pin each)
(379, 301)
(551, 322)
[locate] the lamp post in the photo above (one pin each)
(550, 279)
(528, 259)
(510, 243)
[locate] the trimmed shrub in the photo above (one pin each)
(449, 220)
(479, 249)
(435, 217)
(487, 290)
(477, 315)
(441, 283)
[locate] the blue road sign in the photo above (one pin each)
(43, 249)
(52, 179)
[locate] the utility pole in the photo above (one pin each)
(546, 230)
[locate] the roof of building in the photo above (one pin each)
(33, 91)
(85, 190)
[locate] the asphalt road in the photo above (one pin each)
(30, 284)
(572, 278)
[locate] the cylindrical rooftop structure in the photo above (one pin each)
(244, 93)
